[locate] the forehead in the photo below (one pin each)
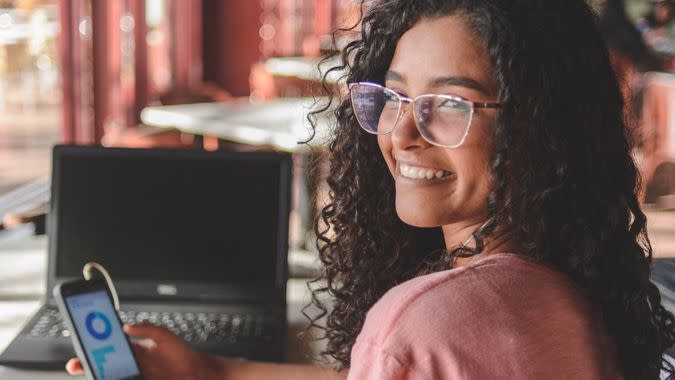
(442, 47)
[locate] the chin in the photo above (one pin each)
(421, 218)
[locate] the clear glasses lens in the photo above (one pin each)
(441, 120)
(376, 108)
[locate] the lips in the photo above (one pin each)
(418, 172)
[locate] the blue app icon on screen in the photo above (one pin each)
(98, 325)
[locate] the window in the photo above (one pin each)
(30, 90)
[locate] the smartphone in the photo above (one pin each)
(96, 330)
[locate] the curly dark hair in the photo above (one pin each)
(563, 180)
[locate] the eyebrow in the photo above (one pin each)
(443, 81)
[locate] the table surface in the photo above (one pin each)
(22, 285)
(280, 123)
(306, 68)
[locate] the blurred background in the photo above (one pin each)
(82, 71)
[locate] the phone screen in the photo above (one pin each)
(101, 336)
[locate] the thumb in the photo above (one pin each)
(74, 367)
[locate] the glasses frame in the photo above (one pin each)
(404, 99)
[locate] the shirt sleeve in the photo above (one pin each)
(372, 362)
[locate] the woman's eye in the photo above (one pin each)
(389, 97)
(449, 105)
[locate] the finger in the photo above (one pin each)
(144, 358)
(140, 350)
(146, 343)
(148, 330)
(74, 367)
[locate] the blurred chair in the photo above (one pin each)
(145, 136)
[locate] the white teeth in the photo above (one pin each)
(421, 173)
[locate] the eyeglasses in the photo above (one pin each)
(442, 120)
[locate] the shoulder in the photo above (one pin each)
(505, 305)
(497, 282)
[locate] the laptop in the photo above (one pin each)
(195, 241)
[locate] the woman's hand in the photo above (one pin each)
(168, 358)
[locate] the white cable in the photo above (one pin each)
(86, 272)
(479, 228)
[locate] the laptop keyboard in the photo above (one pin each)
(49, 324)
(192, 327)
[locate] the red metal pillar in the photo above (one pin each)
(66, 55)
(231, 43)
(106, 65)
(75, 62)
(141, 80)
(187, 36)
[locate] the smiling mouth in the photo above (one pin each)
(420, 173)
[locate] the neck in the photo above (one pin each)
(456, 235)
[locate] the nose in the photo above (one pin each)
(405, 134)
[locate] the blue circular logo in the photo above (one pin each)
(107, 327)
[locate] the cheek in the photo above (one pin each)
(475, 164)
(384, 142)
(477, 176)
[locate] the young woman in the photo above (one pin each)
(483, 216)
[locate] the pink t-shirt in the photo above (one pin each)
(504, 317)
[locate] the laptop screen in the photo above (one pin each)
(172, 216)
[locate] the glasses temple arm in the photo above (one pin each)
(486, 105)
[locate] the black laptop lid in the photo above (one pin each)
(172, 224)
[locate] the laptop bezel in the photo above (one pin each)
(135, 291)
